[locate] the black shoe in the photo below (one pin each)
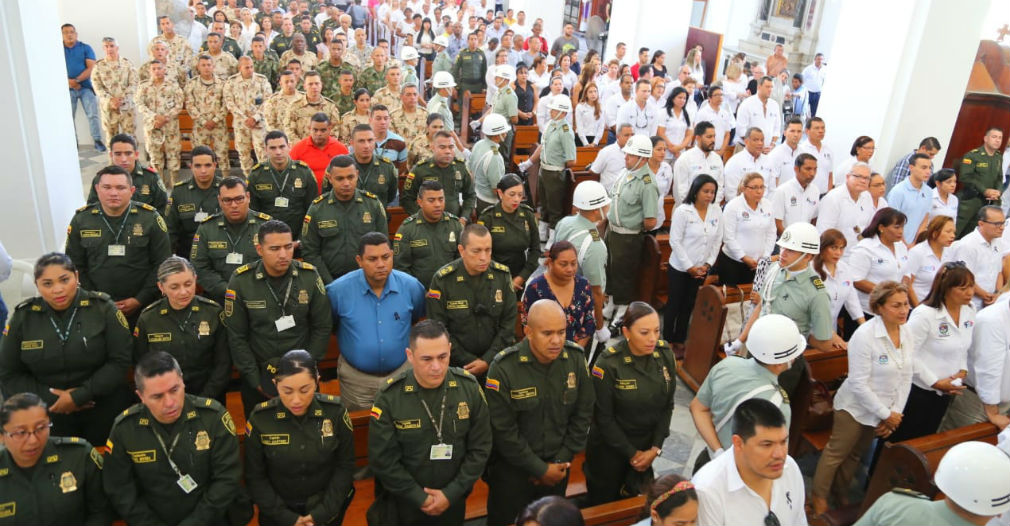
(99, 146)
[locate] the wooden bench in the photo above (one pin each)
(703, 336)
(618, 513)
(524, 143)
(584, 156)
(396, 215)
(186, 133)
(473, 104)
(805, 435)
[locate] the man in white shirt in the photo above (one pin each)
(813, 81)
(609, 161)
(988, 372)
(814, 145)
(796, 200)
(698, 160)
(715, 112)
(848, 208)
(749, 160)
(520, 26)
(644, 117)
(783, 157)
(613, 104)
(755, 482)
(762, 111)
(982, 252)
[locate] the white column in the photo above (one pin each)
(655, 25)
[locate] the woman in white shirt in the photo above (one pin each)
(880, 255)
(656, 92)
(748, 232)
(695, 238)
(557, 89)
(877, 190)
(861, 152)
(988, 372)
(945, 203)
(539, 76)
(734, 87)
(837, 280)
(267, 28)
(662, 175)
(590, 123)
(694, 61)
(872, 398)
(675, 125)
(925, 258)
(568, 77)
(249, 27)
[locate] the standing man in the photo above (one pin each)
(813, 80)
(275, 109)
(849, 208)
(443, 85)
(442, 62)
(814, 145)
(179, 50)
(470, 67)
(343, 95)
(777, 61)
(929, 146)
(541, 403)
(263, 63)
(225, 63)
(428, 239)
(719, 115)
(981, 178)
(590, 201)
(302, 108)
(451, 172)
(565, 43)
(782, 158)
(319, 147)
(486, 162)
(298, 51)
(749, 160)
(424, 465)
(556, 152)
(281, 187)
(173, 71)
(124, 154)
(244, 95)
(330, 70)
(640, 112)
(609, 162)
(373, 77)
(702, 159)
(761, 111)
(389, 94)
(913, 197)
(982, 251)
(373, 310)
(193, 201)
(80, 59)
(205, 104)
(115, 83)
(160, 102)
(376, 175)
(796, 200)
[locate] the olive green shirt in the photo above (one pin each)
(470, 67)
(591, 250)
(455, 179)
(558, 143)
(421, 247)
(333, 229)
(370, 79)
(379, 177)
(802, 298)
(505, 103)
(515, 238)
(903, 507)
(149, 188)
(487, 166)
(285, 194)
(220, 247)
(728, 382)
(635, 199)
(189, 206)
(330, 75)
(977, 172)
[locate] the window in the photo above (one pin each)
(698, 9)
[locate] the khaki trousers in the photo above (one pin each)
(357, 388)
(841, 457)
(965, 410)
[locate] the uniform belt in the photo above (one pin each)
(551, 167)
(622, 230)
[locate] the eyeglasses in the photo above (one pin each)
(871, 148)
(997, 224)
(860, 177)
(771, 519)
(233, 200)
(23, 434)
(762, 187)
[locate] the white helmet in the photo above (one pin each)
(639, 145)
(801, 237)
(495, 124)
(590, 195)
(441, 40)
(560, 104)
(443, 79)
(774, 339)
(408, 53)
(976, 476)
(505, 71)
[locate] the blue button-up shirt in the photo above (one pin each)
(914, 203)
(76, 58)
(373, 332)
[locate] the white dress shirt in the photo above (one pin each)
(608, 163)
(675, 127)
(842, 292)
(880, 375)
(941, 346)
(664, 180)
(743, 163)
(734, 93)
(989, 354)
(782, 159)
(612, 106)
(724, 499)
(544, 114)
(825, 163)
(940, 208)
(539, 81)
(587, 124)
(645, 121)
(984, 259)
(693, 163)
(694, 241)
(722, 119)
(813, 78)
(748, 231)
(922, 267)
(874, 262)
(849, 216)
(794, 204)
(752, 113)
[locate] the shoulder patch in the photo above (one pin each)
(500, 266)
(147, 207)
(308, 266)
(319, 198)
(445, 270)
(818, 284)
(243, 268)
(370, 194)
(180, 183)
(265, 217)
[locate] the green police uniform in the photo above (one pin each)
(455, 179)
(150, 189)
(469, 70)
(330, 75)
(267, 317)
(333, 228)
(63, 487)
(403, 436)
(634, 403)
(283, 194)
(194, 336)
(977, 173)
(421, 247)
(488, 167)
(378, 177)
(540, 414)
(442, 106)
(442, 62)
(370, 79)
(558, 143)
(230, 45)
(635, 199)
(479, 311)
(312, 39)
(902, 507)
(732, 381)
(591, 250)
(268, 67)
(189, 206)
(515, 238)
(139, 476)
(303, 465)
(281, 43)
(220, 247)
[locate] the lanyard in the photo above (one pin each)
(168, 451)
(273, 175)
(122, 225)
(441, 415)
(287, 294)
(64, 335)
(232, 242)
(183, 323)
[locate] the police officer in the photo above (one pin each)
(244, 94)
(46, 351)
(590, 200)
(173, 458)
(429, 437)
(981, 178)
(514, 232)
(226, 240)
(188, 327)
(556, 152)
(299, 455)
(64, 488)
(117, 244)
(486, 162)
(471, 297)
(634, 385)
(428, 239)
(442, 83)
(124, 154)
(336, 221)
(470, 66)
(376, 175)
(271, 306)
(973, 478)
(193, 200)
(281, 187)
(445, 168)
(541, 403)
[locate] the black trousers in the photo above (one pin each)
(609, 476)
(923, 413)
(733, 272)
(681, 292)
(510, 490)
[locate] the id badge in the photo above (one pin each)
(441, 452)
(233, 258)
(281, 202)
(201, 216)
(117, 250)
(284, 323)
(187, 484)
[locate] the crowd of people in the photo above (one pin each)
(336, 125)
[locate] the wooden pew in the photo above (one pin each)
(524, 142)
(648, 270)
(584, 156)
(703, 336)
(473, 104)
(807, 436)
(618, 513)
(396, 215)
(668, 206)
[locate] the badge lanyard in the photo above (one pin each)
(287, 295)
(234, 244)
(273, 175)
(119, 232)
(185, 481)
(185, 322)
(64, 335)
(441, 415)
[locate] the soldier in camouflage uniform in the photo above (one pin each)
(298, 52)
(228, 44)
(360, 49)
(173, 71)
(301, 110)
(330, 70)
(124, 154)
(374, 76)
(359, 115)
(264, 63)
(115, 83)
(408, 119)
(276, 106)
(389, 95)
(160, 102)
(244, 96)
(179, 50)
(225, 64)
(427, 240)
(205, 104)
(344, 97)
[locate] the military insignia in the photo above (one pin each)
(522, 394)
(8, 509)
(376, 413)
(666, 374)
(463, 411)
(571, 380)
(68, 482)
(366, 217)
(204, 329)
(299, 183)
(202, 441)
(122, 319)
(382, 179)
(159, 337)
(492, 384)
(498, 296)
(229, 424)
(161, 223)
(32, 345)
(144, 190)
(598, 372)
(434, 294)
(90, 233)
(452, 236)
(327, 428)
(414, 423)
(303, 297)
(229, 308)
(818, 284)
(138, 229)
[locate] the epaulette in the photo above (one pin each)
(206, 403)
(447, 216)
(265, 217)
(71, 441)
(611, 350)
(307, 266)
(319, 198)
(243, 268)
(301, 163)
(499, 266)
(211, 217)
(818, 284)
(506, 352)
(572, 347)
(180, 183)
(101, 295)
(527, 207)
(459, 371)
(257, 166)
(34, 300)
(265, 405)
(647, 179)
(909, 493)
(387, 161)
(147, 207)
(484, 211)
(391, 381)
(445, 270)
(370, 194)
(128, 412)
(208, 301)
(328, 398)
(87, 206)
(154, 305)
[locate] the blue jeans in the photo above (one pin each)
(90, 102)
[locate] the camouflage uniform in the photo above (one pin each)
(410, 126)
(269, 67)
(163, 144)
(387, 98)
(362, 55)
(225, 64)
(370, 79)
(115, 79)
(308, 59)
(345, 103)
(330, 75)
(173, 72)
(300, 112)
(245, 98)
(347, 123)
(179, 50)
(205, 103)
(276, 108)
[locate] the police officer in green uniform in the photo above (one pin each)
(376, 175)
(226, 240)
(429, 437)
(486, 162)
(634, 383)
(470, 66)
(272, 306)
(973, 478)
(590, 200)
(124, 154)
(117, 243)
(193, 201)
(429, 239)
(514, 232)
(281, 187)
(46, 479)
(336, 221)
(174, 457)
(299, 452)
(980, 175)
(188, 327)
(556, 152)
(541, 402)
(471, 296)
(446, 169)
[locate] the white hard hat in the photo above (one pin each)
(774, 339)
(590, 195)
(976, 476)
(408, 53)
(560, 104)
(443, 79)
(495, 124)
(801, 237)
(441, 40)
(639, 145)
(505, 71)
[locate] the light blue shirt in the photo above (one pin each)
(914, 203)
(373, 332)
(389, 154)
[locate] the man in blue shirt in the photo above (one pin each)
(913, 197)
(373, 310)
(80, 60)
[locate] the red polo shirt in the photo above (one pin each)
(317, 158)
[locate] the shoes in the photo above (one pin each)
(99, 146)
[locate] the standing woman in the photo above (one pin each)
(677, 129)
(694, 61)
(658, 64)
(944, 183)
(872, 398)
(568, 77)
(861, 152)
(926, 256)
(629, 425)
(734, 87)
(695, 237)
(663, 175)
(590, 124)
(426, 40)
(586, 77)
(880, 255)
(71, 347)
(526, 95)
(562, 282)
(188, 327)
(748, 232)
(299, 457)
(515, 235)
(837, 280)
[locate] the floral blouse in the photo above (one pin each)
(579, 314)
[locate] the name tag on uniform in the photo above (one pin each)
(117, 250)
(441, 452)
(187, 484)
(284, 323)
(200, 216)
(281, 202)
(233, 258)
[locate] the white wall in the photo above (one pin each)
(655, 25)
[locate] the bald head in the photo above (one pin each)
(545, 313)
(545, 330)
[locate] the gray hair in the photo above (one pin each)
(860, 164)
(622, 126)
(108, 40)
(174, 265)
